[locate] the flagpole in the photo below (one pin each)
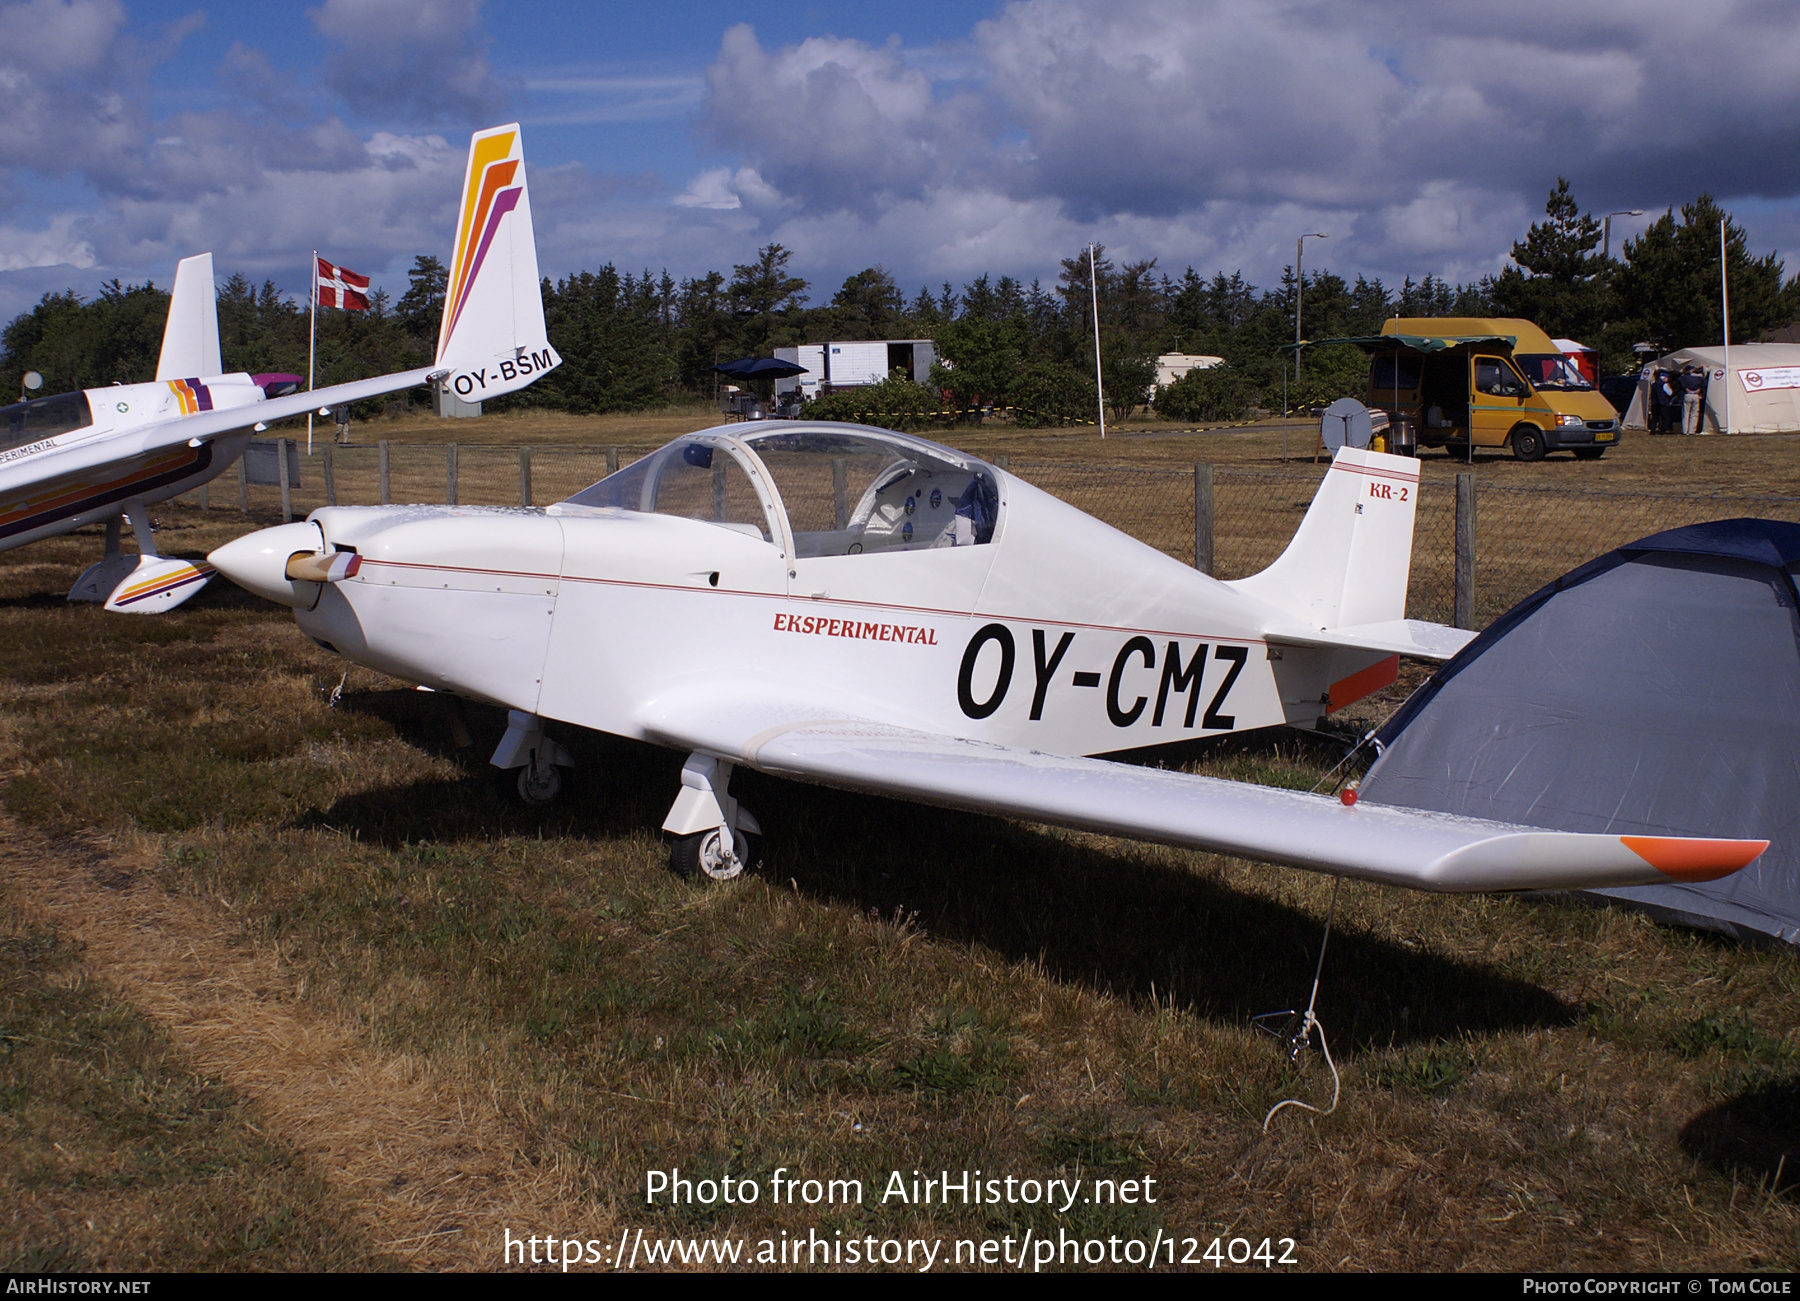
(312, 336)
(1094, 293)
(1725, 317)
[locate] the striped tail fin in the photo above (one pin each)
(493, 340)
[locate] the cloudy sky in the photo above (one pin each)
(938, 139)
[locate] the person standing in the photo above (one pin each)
(1662, 398)
(1690, 399)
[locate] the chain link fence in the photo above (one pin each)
(1523, 537)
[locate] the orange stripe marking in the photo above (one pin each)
(1694, 860)
(1346, 690)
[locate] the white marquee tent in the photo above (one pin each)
(1765, 388)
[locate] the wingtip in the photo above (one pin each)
(1688, 859)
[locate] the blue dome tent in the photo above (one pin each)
(1654, 690)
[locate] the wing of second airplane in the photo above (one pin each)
(762, 726)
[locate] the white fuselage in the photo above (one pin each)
(66, 480)
(1062, 635)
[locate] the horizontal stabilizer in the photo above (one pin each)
(1411, 637)
(1406, 847)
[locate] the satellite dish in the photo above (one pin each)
(33, 380)
(1345, 421)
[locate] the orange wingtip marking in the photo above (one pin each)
(1694, 860)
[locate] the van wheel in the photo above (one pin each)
(1528, 443)
(1589, 453)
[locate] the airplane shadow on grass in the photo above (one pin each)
(1117, 922)
(1755, 1135)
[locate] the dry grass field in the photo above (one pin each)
(289, 984)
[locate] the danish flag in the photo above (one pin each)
(339, 287)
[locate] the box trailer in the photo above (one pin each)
(845, 364)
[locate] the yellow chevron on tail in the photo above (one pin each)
(493, 340)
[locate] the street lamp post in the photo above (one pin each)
(1606, 228)
(1299, 291)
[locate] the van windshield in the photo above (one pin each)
(1552, 370)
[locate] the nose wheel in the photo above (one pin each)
(541, 763)
(715, 838)
(540, 783)
(704, 854)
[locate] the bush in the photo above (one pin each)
(1128, 379)
(1328, 374)
(1047, 393)
(1218, 393)
(896, 403)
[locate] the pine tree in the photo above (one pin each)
(1558, 282)
(1668, 290)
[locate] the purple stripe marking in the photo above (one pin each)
(168, 586)
(201, 394)
(504, 202)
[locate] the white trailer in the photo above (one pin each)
(855, 363)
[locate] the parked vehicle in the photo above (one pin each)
(1486, 381)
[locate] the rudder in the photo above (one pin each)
(493, 340)
(1351, 557)
(190, 345)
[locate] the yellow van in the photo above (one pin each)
(1490, 381)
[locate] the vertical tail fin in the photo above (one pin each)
(1351, 557)
(493, 339)
(190, 346)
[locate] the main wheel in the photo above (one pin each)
(1528, 443)
(1589, 453)
(540, 784)
(704, 854)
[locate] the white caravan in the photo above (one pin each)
(94, 456)
(863, 609)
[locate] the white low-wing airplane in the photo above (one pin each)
(94, 456)
(863, 609)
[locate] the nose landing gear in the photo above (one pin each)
(714, 836)
(541, 762)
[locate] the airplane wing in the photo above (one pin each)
(211, 424)
(215, 424)
(1406, 847)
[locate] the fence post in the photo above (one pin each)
(330, 479)
(525, 476)
(203, 500)
(1465, 550)
(450, 473)
(840, 492)
(1004, 462)
(386, 496)
(1203, 518)
(244, 484)
(612, 460)
(287, 488)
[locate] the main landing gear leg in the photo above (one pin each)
(140, 525)
(98, 580)
(714, 836)
(147, 583)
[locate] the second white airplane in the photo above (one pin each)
(104, 454)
